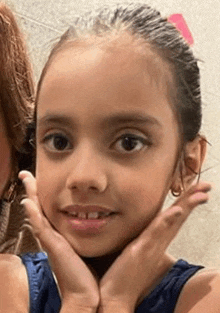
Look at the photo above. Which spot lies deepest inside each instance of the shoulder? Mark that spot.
(201, 293)
(14, 295)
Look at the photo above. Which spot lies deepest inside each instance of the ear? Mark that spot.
(190, 164)
(194, 155)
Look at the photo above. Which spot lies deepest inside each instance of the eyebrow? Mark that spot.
(130, 118)
(60, 119)
(107, 122)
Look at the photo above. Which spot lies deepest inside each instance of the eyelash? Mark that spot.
(51, 137)
(133, 139)
(128, 139)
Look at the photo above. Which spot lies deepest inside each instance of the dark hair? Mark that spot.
(145, 23)
(16, 87)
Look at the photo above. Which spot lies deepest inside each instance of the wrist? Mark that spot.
(71, 308)
(113, 310)
(75, 307)
(79, 304)
(114, 307)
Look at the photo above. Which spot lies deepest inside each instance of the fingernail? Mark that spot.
(178, 211)
(22, 202)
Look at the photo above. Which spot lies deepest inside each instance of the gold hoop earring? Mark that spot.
(177, 193)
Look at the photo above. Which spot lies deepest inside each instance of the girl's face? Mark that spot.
(5, 157)
(107, 145)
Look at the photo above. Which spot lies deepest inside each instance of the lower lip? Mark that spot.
(92, 225)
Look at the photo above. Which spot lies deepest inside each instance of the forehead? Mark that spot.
(98, 73)
(116, 53)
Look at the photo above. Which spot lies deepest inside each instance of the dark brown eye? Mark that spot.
(60, 142)
(130, 143)
(57, 142)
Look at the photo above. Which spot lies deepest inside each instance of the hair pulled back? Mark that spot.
(145, 23)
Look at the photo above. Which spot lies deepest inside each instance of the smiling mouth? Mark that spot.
(89, 222)
(88, 212)
(89, 215)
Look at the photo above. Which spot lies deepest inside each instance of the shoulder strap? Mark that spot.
(164, 297)
(44, 296)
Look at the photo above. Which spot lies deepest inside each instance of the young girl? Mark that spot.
(16, 110)
(117, 127)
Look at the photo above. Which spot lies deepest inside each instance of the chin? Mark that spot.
(92, 254)
(98, 253)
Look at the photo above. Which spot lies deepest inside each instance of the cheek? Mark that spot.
(44, 189)
(46, 182)
(143, 189)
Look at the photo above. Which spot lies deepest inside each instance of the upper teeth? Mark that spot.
(89, 215)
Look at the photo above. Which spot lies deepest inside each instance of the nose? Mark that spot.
(87, 173)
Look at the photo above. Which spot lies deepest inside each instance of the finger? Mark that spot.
(41, 227)
(197, 194)
(30, 185)
(173, 218)
(35, 216)
(23, 174)
(67, 273)
(199, 186)
(166, 225)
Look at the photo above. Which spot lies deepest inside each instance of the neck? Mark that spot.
(100, 265)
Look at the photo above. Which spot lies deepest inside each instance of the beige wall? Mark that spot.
(44, 20)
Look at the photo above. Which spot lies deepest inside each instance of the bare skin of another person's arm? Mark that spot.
(14, 295)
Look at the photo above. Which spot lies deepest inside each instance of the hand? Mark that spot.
(77, 285)
(141, 263)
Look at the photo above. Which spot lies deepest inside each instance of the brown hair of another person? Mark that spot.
(16, 84)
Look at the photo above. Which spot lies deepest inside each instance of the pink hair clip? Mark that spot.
(179, 22)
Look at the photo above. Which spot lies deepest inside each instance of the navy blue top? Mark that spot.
(44, 296)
